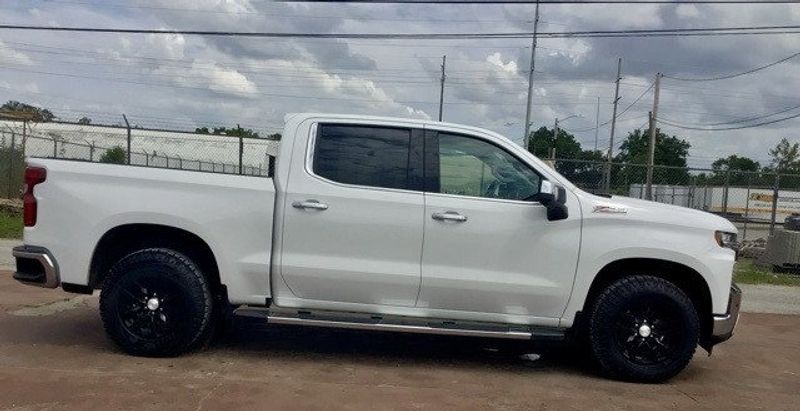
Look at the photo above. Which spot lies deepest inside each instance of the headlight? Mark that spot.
(727, 240)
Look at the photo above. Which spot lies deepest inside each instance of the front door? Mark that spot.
(353, 217)
(489, 247)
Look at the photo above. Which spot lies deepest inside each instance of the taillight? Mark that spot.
(33, 176)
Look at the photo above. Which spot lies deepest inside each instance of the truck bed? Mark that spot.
(80, 202)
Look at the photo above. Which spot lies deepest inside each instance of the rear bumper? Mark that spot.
(724, 324)
(36, 266)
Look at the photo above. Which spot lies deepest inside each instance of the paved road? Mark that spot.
(54, 355)
(6, 260)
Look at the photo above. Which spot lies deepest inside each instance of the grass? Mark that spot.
(745, 272)
(10, 225)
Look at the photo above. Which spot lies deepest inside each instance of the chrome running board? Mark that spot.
(360, 321)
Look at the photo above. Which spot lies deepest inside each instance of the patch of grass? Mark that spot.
(10, 225)
(745, 272)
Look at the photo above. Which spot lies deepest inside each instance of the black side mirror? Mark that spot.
(554, 198)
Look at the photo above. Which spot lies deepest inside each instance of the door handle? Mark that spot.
(449, 216)
(310, 204)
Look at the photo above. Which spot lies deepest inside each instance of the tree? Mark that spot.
(114, 155)
(670, 151)
(541, 144)
(735, 163)
(588, 172)
(15, 110)
(786, 157)
(85, 120)
(224, 131)
(733, 170)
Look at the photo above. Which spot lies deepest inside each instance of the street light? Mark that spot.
(555, 134)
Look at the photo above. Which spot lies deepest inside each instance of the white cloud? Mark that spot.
(9, 55)
(209, 76)
(497, 61)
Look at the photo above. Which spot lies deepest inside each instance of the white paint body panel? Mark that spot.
(378, 250)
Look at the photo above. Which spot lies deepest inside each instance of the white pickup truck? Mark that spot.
(384, 224)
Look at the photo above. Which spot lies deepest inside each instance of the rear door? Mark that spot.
(488, 247)
(353, 220)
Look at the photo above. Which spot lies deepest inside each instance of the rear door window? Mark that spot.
(363, 155)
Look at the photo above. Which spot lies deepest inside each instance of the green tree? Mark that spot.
(735, 163)
(114, 155)
(15, 110)
(670, 151)
(586, 171)
(734, 169)
(85, 120)
(786, 157)
(541, 144)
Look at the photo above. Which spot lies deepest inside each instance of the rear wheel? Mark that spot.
(156, 302)
(643, 329)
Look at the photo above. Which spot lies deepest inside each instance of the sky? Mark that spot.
(177, 81)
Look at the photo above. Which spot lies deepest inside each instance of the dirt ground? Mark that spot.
(54, 355)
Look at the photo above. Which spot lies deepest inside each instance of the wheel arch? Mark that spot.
(124, 239)
(686, 278)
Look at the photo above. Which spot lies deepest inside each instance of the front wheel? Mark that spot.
(643, 329)
(156, 302)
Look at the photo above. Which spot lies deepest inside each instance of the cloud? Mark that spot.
(211, 76)
(9, 55)
(257, 81)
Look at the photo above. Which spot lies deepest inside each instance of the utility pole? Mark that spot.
(527, 127)
(441, 87)
(613, 128)
(597, 124)
(555, 137)
(652, 154)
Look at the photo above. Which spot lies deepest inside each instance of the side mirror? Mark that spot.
(554, 198)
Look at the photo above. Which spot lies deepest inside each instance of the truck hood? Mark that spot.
(651, 211)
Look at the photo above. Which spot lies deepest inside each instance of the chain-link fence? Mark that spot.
(754, 201)
(129, 145)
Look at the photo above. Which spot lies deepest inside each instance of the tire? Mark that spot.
(643, 329)
(156, 303)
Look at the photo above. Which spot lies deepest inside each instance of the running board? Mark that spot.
(359, 321)
(419, 329)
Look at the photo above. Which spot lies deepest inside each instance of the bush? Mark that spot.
(114, 155)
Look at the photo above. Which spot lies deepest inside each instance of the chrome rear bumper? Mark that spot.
(724, 324)
(36, 266)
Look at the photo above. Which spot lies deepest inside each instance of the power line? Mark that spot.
(729, 76)
(717, 31)
(625, 110)
(764, 123)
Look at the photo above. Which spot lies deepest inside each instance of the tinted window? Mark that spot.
(473, 167)
(367, 156)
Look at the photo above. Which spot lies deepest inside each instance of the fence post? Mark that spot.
(11, 165)
(91, 151)
(747, 207)
(241, 152)
(725, 192)
(774, 203)
(270, 166)
(128, 127)
(55, 148)
(146, 159)
(180, 162)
